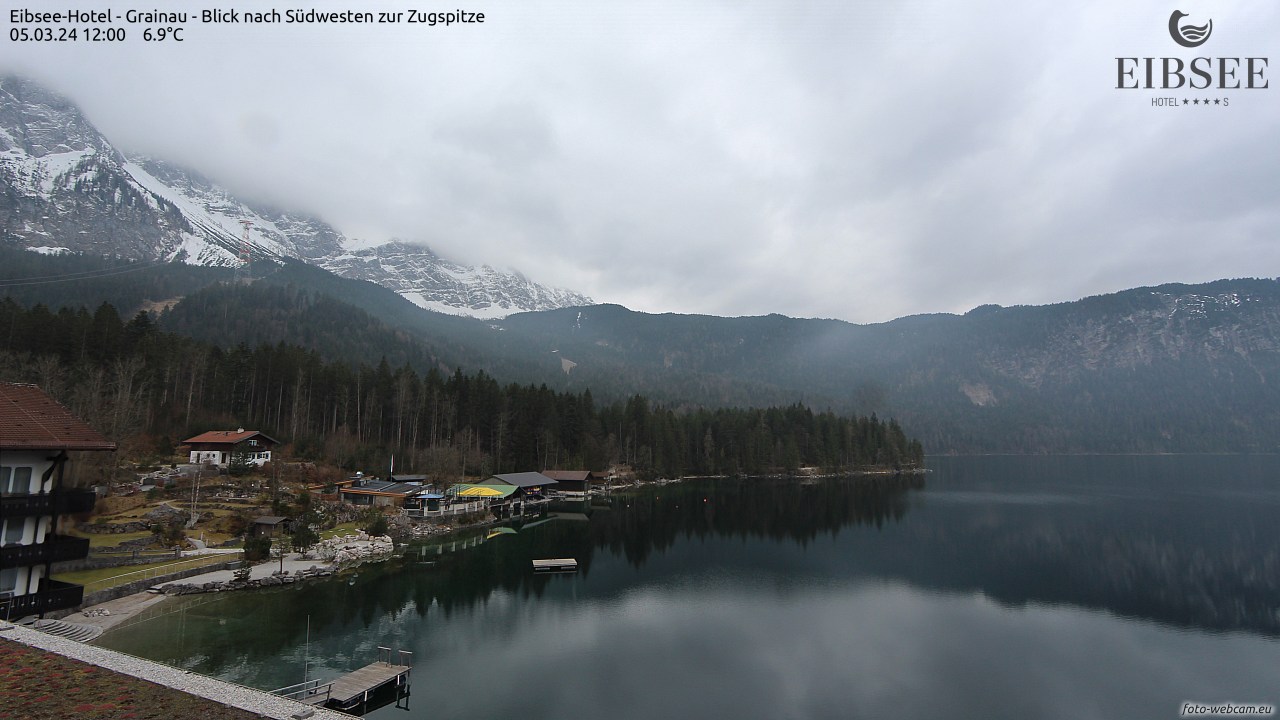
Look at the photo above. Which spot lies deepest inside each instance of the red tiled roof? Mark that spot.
(31, 420)
(224, 437)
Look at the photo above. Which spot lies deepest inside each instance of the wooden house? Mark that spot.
(573, 484)
(217, 447)
(271, 526)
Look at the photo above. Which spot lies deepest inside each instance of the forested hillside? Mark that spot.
(343, 319)
(71, 280)
(148, 389)
(1173, 368)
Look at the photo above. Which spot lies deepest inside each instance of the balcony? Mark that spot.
(71, 502)
(55, 548)
(64, 502)
(53, 595)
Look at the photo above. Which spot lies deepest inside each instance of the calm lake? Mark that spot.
(994, 587)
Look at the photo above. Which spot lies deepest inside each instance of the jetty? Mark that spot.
(554, 565)
(356, 688)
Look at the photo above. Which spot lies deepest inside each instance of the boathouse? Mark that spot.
(573, 484)
(527, 484)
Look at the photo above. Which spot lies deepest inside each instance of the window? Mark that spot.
(16, 481)
(21, 480)
(8, 581)
(13, 529)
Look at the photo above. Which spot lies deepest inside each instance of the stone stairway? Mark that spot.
(69, 630)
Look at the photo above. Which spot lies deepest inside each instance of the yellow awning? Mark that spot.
(479, 491)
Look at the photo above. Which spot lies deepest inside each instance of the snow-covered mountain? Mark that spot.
(434, 283)
(65, 188)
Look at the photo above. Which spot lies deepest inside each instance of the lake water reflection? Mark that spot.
(1078, 587)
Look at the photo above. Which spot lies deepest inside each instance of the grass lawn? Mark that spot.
(212, 525)
(348, 528)
(101, 540)
(40, 685)
(109, 540)
(129, 515)
(211, 538)
(103, 578)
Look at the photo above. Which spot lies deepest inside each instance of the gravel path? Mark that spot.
(117, 610)
(238, 696)
(293, 562)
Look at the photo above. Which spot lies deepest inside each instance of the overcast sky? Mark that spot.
(855, 160)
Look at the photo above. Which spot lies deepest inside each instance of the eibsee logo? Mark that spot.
(1219, 73)
(1188, 36)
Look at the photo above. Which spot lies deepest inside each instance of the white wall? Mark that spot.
(37, 461)
(34, 529)
(222, 459)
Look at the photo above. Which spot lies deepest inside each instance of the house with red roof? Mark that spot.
(36, 435)
(217, 447)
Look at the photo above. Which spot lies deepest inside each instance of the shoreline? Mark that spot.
(298, 569)
(349, 551)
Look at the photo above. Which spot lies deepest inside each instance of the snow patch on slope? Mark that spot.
(79, 193)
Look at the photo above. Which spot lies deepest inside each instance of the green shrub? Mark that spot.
(257, 548)
(374, 522)
(303, 537)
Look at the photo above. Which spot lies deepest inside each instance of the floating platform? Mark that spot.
(556, 565)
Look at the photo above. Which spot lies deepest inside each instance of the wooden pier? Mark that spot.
(356, 688)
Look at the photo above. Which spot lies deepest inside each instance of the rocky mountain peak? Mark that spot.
(40, 123)
(64, 188)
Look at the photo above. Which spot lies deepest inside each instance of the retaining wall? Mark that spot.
(98, 597)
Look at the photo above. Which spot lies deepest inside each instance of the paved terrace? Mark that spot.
(293, 563)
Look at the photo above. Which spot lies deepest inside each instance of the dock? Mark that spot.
(357, 687)
(555, 565)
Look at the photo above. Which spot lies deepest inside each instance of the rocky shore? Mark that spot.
(335, 555)
(274, 580)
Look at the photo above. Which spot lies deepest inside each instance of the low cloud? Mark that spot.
(853, 160)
